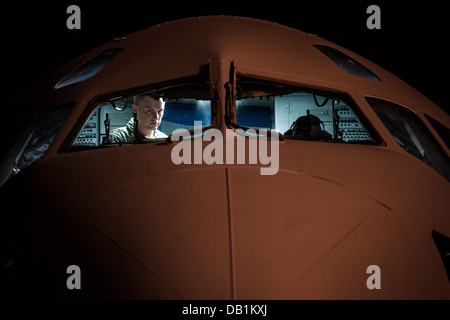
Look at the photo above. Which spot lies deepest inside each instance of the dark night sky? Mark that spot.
(412, 42)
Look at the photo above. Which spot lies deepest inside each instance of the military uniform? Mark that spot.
(126, 134)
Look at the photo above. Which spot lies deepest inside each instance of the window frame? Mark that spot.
(325, 91)
(424, 134)
(94, 103)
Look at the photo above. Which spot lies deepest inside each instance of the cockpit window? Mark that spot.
(346, 63)
(147, 115)
(442, 130)
(89, 68)
(412, 135)
(32, 140)
(300, 113)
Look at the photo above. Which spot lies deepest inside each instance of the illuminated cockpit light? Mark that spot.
(89, 68)
(346, 63)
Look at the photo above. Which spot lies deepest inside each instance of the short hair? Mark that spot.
(138, 98)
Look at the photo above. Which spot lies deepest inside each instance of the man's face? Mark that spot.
(149, 113)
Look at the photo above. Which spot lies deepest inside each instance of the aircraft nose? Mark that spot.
(314, 241)
(223, 233)
(172, 233)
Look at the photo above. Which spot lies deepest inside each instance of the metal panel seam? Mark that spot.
(230, 234)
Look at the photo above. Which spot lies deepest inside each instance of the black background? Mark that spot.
(412, 42)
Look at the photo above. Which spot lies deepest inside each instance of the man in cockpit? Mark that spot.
(148, 113)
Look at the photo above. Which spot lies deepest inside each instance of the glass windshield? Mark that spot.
(442, 130)
(32, 140)
(346, 63)
(412, 134)
(89, 68)
(148, 115)
(300, 113)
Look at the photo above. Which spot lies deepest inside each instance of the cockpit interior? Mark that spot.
(260, 104)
